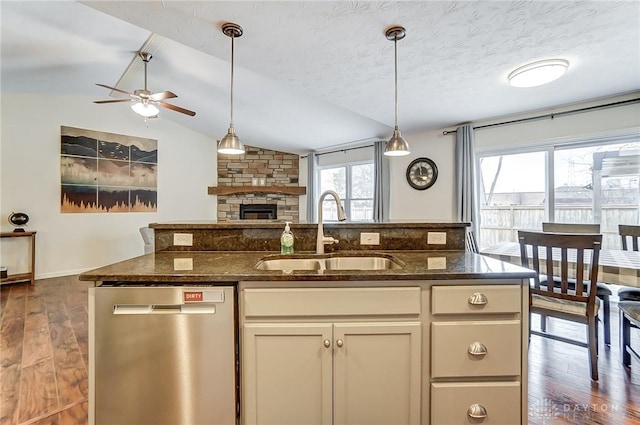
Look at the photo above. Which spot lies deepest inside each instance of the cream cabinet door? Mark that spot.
(377, 373)
(287, 373)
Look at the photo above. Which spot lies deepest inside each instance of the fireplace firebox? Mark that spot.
(258, 212)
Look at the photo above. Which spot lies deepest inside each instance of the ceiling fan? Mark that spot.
(145, 101)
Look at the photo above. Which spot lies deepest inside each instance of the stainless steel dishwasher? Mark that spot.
(162, 355)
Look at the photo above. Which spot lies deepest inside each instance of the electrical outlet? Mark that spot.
(369, 238)
(437, 263)
(183, 264)
(183, 239)
(437, 238)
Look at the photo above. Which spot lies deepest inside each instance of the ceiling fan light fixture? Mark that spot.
(230, 143)
(397, 145)
(145, 109)
(538, 73)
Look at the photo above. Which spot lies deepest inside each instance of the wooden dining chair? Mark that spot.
(570, 227)
(470, 242)
(629, 318)
(630, 236)
(603, 292)
(577, 305)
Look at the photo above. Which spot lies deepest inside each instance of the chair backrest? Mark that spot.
(470, 242)
(632, 232)
(570, 227)
(581, 249)
(148, 238)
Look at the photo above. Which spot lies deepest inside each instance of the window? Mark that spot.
(594, 182)
(354, 184)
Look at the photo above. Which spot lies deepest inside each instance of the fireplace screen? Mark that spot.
(258, 212)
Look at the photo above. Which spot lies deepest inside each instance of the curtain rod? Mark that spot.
(552, 116)
(339, 150)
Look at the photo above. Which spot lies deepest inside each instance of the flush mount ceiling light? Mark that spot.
(538, 73)
(231, 144)
(396, 146)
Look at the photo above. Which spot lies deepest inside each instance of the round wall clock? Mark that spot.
(422, 173)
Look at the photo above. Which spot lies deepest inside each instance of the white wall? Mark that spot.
(30, 180)
(569, 128)
(436, 203)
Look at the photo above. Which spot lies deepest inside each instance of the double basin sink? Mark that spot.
(369, 261)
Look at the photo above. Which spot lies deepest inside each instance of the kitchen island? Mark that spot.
(439, 339)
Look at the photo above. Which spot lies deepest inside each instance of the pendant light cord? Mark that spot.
(232, 54)
(395, 48)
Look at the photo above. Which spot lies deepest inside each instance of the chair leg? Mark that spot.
(543, 323)
(625, 339)
(605, 320)
(593, 347)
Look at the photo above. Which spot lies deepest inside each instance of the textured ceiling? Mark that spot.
(312, 74)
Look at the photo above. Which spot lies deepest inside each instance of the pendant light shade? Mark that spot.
(230, 143)
(396, 146)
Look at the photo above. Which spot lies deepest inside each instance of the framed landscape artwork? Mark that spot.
(105, 172)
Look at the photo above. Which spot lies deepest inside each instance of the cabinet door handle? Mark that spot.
(477, 411)
(339, 343)
(478, 298)
(327, 343)
(477, 349)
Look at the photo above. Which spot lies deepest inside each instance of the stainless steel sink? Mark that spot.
(361, 263)
(290, 264)
(332, 262)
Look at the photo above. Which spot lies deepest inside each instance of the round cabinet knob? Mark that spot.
(478, 298)
(477, 411)
(477, 349)
(339, 343)
(327, 343)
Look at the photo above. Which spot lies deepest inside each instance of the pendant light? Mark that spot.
(396, 146)
(231, 144)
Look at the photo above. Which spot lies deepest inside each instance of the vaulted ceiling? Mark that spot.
(313, 74)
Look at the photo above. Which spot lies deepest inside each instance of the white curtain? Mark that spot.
(312, 163)
(465, 176)
(381, 185)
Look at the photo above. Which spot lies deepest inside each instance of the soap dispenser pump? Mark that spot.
(286, 240)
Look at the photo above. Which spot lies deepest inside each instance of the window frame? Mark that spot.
(549, 150)
(346, 201)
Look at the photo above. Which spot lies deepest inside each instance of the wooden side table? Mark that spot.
(23, 276)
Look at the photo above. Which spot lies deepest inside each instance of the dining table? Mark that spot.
(615, 266)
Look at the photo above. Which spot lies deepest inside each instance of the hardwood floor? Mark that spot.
(44, 345)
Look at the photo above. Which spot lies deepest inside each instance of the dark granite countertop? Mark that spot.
(234, 266)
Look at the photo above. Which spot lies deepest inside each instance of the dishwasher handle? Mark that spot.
(195, 308)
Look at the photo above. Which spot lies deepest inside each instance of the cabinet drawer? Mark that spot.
(451, 343)
(451, 403)
(476, 299)
(285, 302)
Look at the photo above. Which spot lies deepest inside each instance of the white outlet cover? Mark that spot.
(437, 238)
(183, 239)
(369, 238)
(183, 264)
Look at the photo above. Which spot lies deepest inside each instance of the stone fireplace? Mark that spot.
(259, 177)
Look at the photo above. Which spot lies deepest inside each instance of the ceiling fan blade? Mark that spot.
(115, 89)
(176, 108)
(163, 95)
(113, 100)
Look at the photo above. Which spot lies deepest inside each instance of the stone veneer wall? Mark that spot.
(277, 168)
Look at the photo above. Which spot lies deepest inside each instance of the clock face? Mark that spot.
(422, 173)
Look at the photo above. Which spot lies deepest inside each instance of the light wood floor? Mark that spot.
(43, 359)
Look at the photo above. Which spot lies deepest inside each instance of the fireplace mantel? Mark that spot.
(239, 190)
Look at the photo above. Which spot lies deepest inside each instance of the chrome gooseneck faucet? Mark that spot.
(322, 239)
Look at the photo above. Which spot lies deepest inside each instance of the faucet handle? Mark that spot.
(329, 239)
